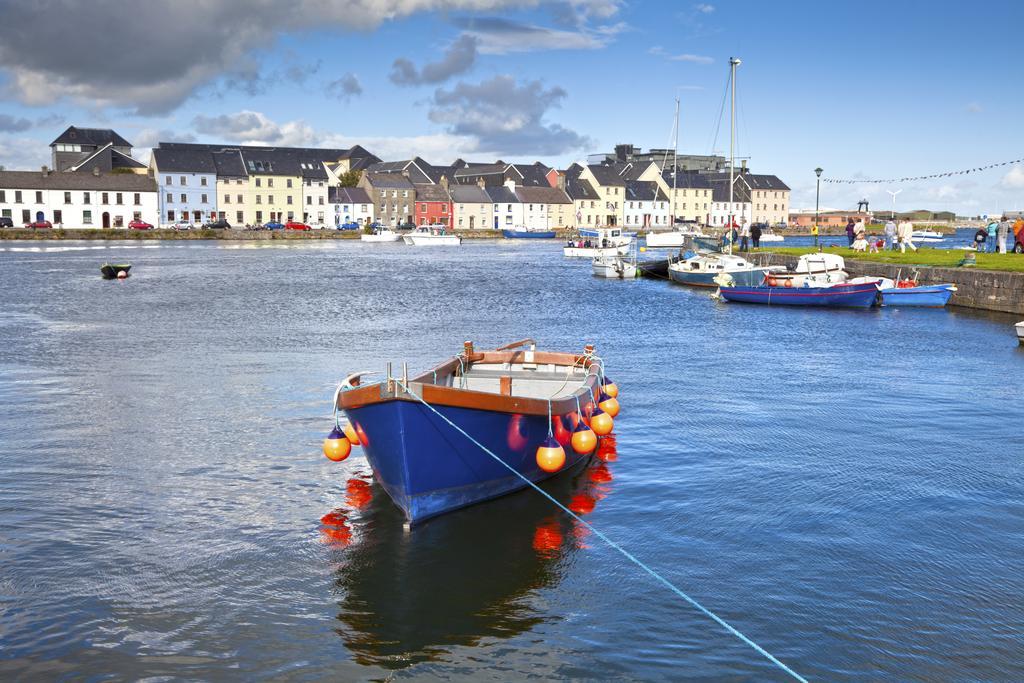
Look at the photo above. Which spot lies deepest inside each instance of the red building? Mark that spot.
(433, 204)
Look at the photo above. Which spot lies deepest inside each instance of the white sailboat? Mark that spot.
(432, 235)
(616, 266)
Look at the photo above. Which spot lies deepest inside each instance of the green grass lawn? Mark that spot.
(924, 256)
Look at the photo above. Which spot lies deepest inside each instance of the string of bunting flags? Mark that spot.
(854, 181)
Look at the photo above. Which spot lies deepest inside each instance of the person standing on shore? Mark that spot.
(992, 228)
(1001, 233)
(890, 235)
(849, 232)
(859, 230)
(755, 235)
(905, 235)
(745, 236)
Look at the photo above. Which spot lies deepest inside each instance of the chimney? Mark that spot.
(96, 170)
(511, 184)
(444, 182)
(743, 165)
(480, 182)
(561, 181)
(45, 171)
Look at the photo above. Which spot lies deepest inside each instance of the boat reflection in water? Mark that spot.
(409, 597)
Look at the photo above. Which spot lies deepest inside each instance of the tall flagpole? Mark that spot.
(733, 63)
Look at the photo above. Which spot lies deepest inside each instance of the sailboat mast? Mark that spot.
(733, 63)
(675, 164)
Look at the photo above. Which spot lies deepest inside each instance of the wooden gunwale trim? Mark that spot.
(479, 400)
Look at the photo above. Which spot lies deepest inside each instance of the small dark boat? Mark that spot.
(860, 295)
(526, 234)
(502, 398)
(110, 270)
(653, 268)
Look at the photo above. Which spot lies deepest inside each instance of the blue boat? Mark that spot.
(860, 295)
(528, 234)
(933, 296)
(499, 397)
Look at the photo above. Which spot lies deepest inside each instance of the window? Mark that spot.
(238, 181)
(289, 199)
(319, 216)
(238, 216)
(170, 216)
(259, 216)
(309, 200)
(227, 199)
(184, 199)
(170, 198)
(239, 199)
(321, 202)
(183, 180)
(67, 197)
(291, 215)
(167, 180)
(39, 197)
(405, 193)
(252, 167)
(26, 216)
(202, 199)
(444, 208)
(531, 207)
(270, 199)
(289, 182)
(394, 193)
(58, 218)
(106, 198)
(258, 198)
(258, 180)
(202, 181)
(270, 182)
(3, 197)
(138, 199)
(87, 217)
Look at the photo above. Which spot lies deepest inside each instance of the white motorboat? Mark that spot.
(615, 266)
(432, 235)
(814, 270)
(672, 239)
(1020, 332)
(927, 236)
(768, 235)
(593, 242)
(381, 235)
(701, 270)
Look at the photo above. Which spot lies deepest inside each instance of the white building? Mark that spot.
(187, 181)
(507, 209)
(315, 195)
(646, 206)
(471, 207)
(349, 205)
(78, 200)
(741, 211)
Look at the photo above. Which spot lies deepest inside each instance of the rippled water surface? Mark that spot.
(842, 486)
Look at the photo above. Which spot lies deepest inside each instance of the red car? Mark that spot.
(39, 224)
(295, 225)
(140, 225)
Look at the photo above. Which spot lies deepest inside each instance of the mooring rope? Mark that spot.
(625, 553)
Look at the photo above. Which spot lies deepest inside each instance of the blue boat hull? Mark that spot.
(744, 278)
(428, 468)
(525, 234)
(841, 296)
(935, 296)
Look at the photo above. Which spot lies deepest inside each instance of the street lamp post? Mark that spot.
(817, 203)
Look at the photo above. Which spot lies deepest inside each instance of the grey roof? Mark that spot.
(469, 194)
(542, 195)
(306, 162)
(35, 180)
(688, 179)
(577, 188)
(390, 181)
(187, 160)
(229, 164)
(607, 176)
(90, 136)
(501, 195)
(348, 195)
(432, 193)
(474, 169)
(420, 172)
(764, 182)
(534, 174)
(644, 190)
(106, 159)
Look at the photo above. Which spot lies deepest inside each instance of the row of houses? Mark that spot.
(248, 185)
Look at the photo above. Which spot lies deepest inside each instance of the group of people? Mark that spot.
(992, 237)
(894, 236)
(745, 234)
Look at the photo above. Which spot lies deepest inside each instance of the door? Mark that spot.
(495, 222)
(106, 219)
(40, 216)
(471, 221)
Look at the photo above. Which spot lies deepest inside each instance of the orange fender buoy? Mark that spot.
(601, 422)
(550, 455)
(337, 446)
(350, 433)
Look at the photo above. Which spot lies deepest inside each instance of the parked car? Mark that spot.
(351, 225)
(217, 225)
(39, 224)
(181, 225)
(273, 225)
(140, 225)
(6, 222)
(295, 225)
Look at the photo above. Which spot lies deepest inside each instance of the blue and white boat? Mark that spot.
(527, 233)
(502, 398)
(844, 295)
(702, 269)
(908, 293)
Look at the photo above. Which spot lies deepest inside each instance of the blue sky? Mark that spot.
(865, 90)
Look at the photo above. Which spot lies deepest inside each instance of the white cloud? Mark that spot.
(254, 128)
(1014, 179)
(497, 35)
(704, 8)
(346, 87)
(686, 57)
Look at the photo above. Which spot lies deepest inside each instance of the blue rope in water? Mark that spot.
(629, 556)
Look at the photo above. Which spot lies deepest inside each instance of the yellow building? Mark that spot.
(610, 188)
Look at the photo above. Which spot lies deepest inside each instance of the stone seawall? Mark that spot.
(121, 234)
(983, 289)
